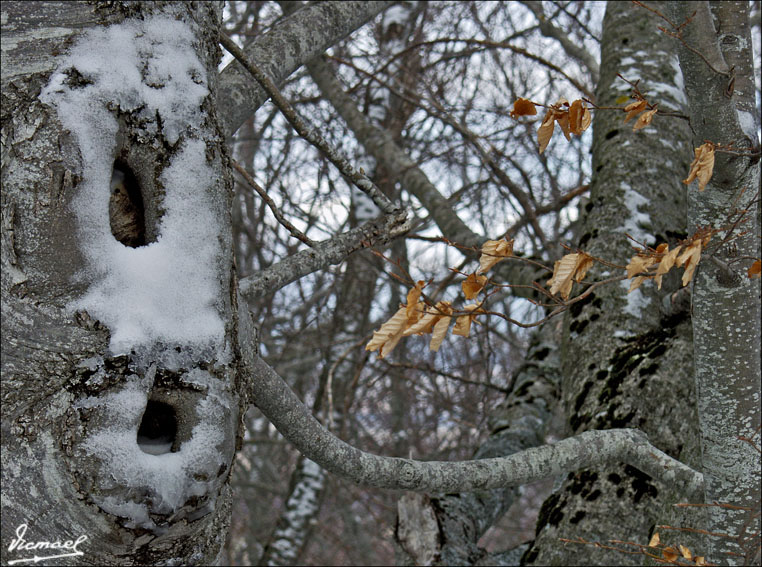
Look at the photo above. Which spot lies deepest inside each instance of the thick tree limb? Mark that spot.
(281, 406)
(286, 47)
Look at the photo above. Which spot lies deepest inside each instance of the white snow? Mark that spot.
(636, 301)
(748, 125)
(169, 479)
(168, 290)
(633, 224)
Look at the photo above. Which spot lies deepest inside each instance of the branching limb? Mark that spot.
(592, 448)
(549, 30)
(309, 133)
(318, 26)
(332, 251)
(295, 232)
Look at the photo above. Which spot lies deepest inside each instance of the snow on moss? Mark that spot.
(167, 290)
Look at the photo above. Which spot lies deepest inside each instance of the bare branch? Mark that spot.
(592, 448)
(308, 133)
(318, 27)
(325, 253)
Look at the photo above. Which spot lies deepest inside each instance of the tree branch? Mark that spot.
(574, 51)
(308, 133)
(286, 47)
(592, 448)
(332, 251)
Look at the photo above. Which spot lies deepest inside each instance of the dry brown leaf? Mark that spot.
(666, 264)
(463, 322)
(430, 318)
(699, 560)
(639, 263)
(702, 165)
(755, 269)
(654, 540)
(523, 107)
(563, 122)
(472, 285)
(568, 269)
(492, 252)
(440, 327)
(644, 120)
(690, 259)
(583, 265)
(545, 132)
(670, 553)
(685, 552)
(387, 337)
(636, 282)
(579, 117)
(633, 109)
(413, 309)
(425, 324)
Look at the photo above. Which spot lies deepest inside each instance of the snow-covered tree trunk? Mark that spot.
(726, 303)
(120, 348)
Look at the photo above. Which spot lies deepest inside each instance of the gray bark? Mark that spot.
(60, 381)
(726, 313)
(625, 362)
(279, 52)
(281, 406)
(519, 423)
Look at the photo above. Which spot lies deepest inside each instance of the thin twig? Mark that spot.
(308, 133)
(295, 232)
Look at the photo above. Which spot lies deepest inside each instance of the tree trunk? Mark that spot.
(726, 312)
(119, 328)
(626, 360)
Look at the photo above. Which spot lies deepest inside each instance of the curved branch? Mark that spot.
(591, 448)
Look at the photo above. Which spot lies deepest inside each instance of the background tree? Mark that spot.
(423, 97)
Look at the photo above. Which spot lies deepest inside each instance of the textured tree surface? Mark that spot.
(188, 371)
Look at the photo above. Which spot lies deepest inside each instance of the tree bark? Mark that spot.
(625, 361)
(83, 404)
(726, 303)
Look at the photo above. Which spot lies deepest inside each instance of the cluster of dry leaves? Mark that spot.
(575, 118)
(420, 317)
(671, 554)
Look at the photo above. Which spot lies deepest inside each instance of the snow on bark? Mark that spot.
(166, 290)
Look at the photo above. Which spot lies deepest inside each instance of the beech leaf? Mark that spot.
(633, 109)
(545, 132)
(472, 285)
(701, 166)
(387, 337)
(523, 107)
(690, 259)
(463, 322)
(492, 252)
(755, 269)
(644, 120)
(568, 269)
